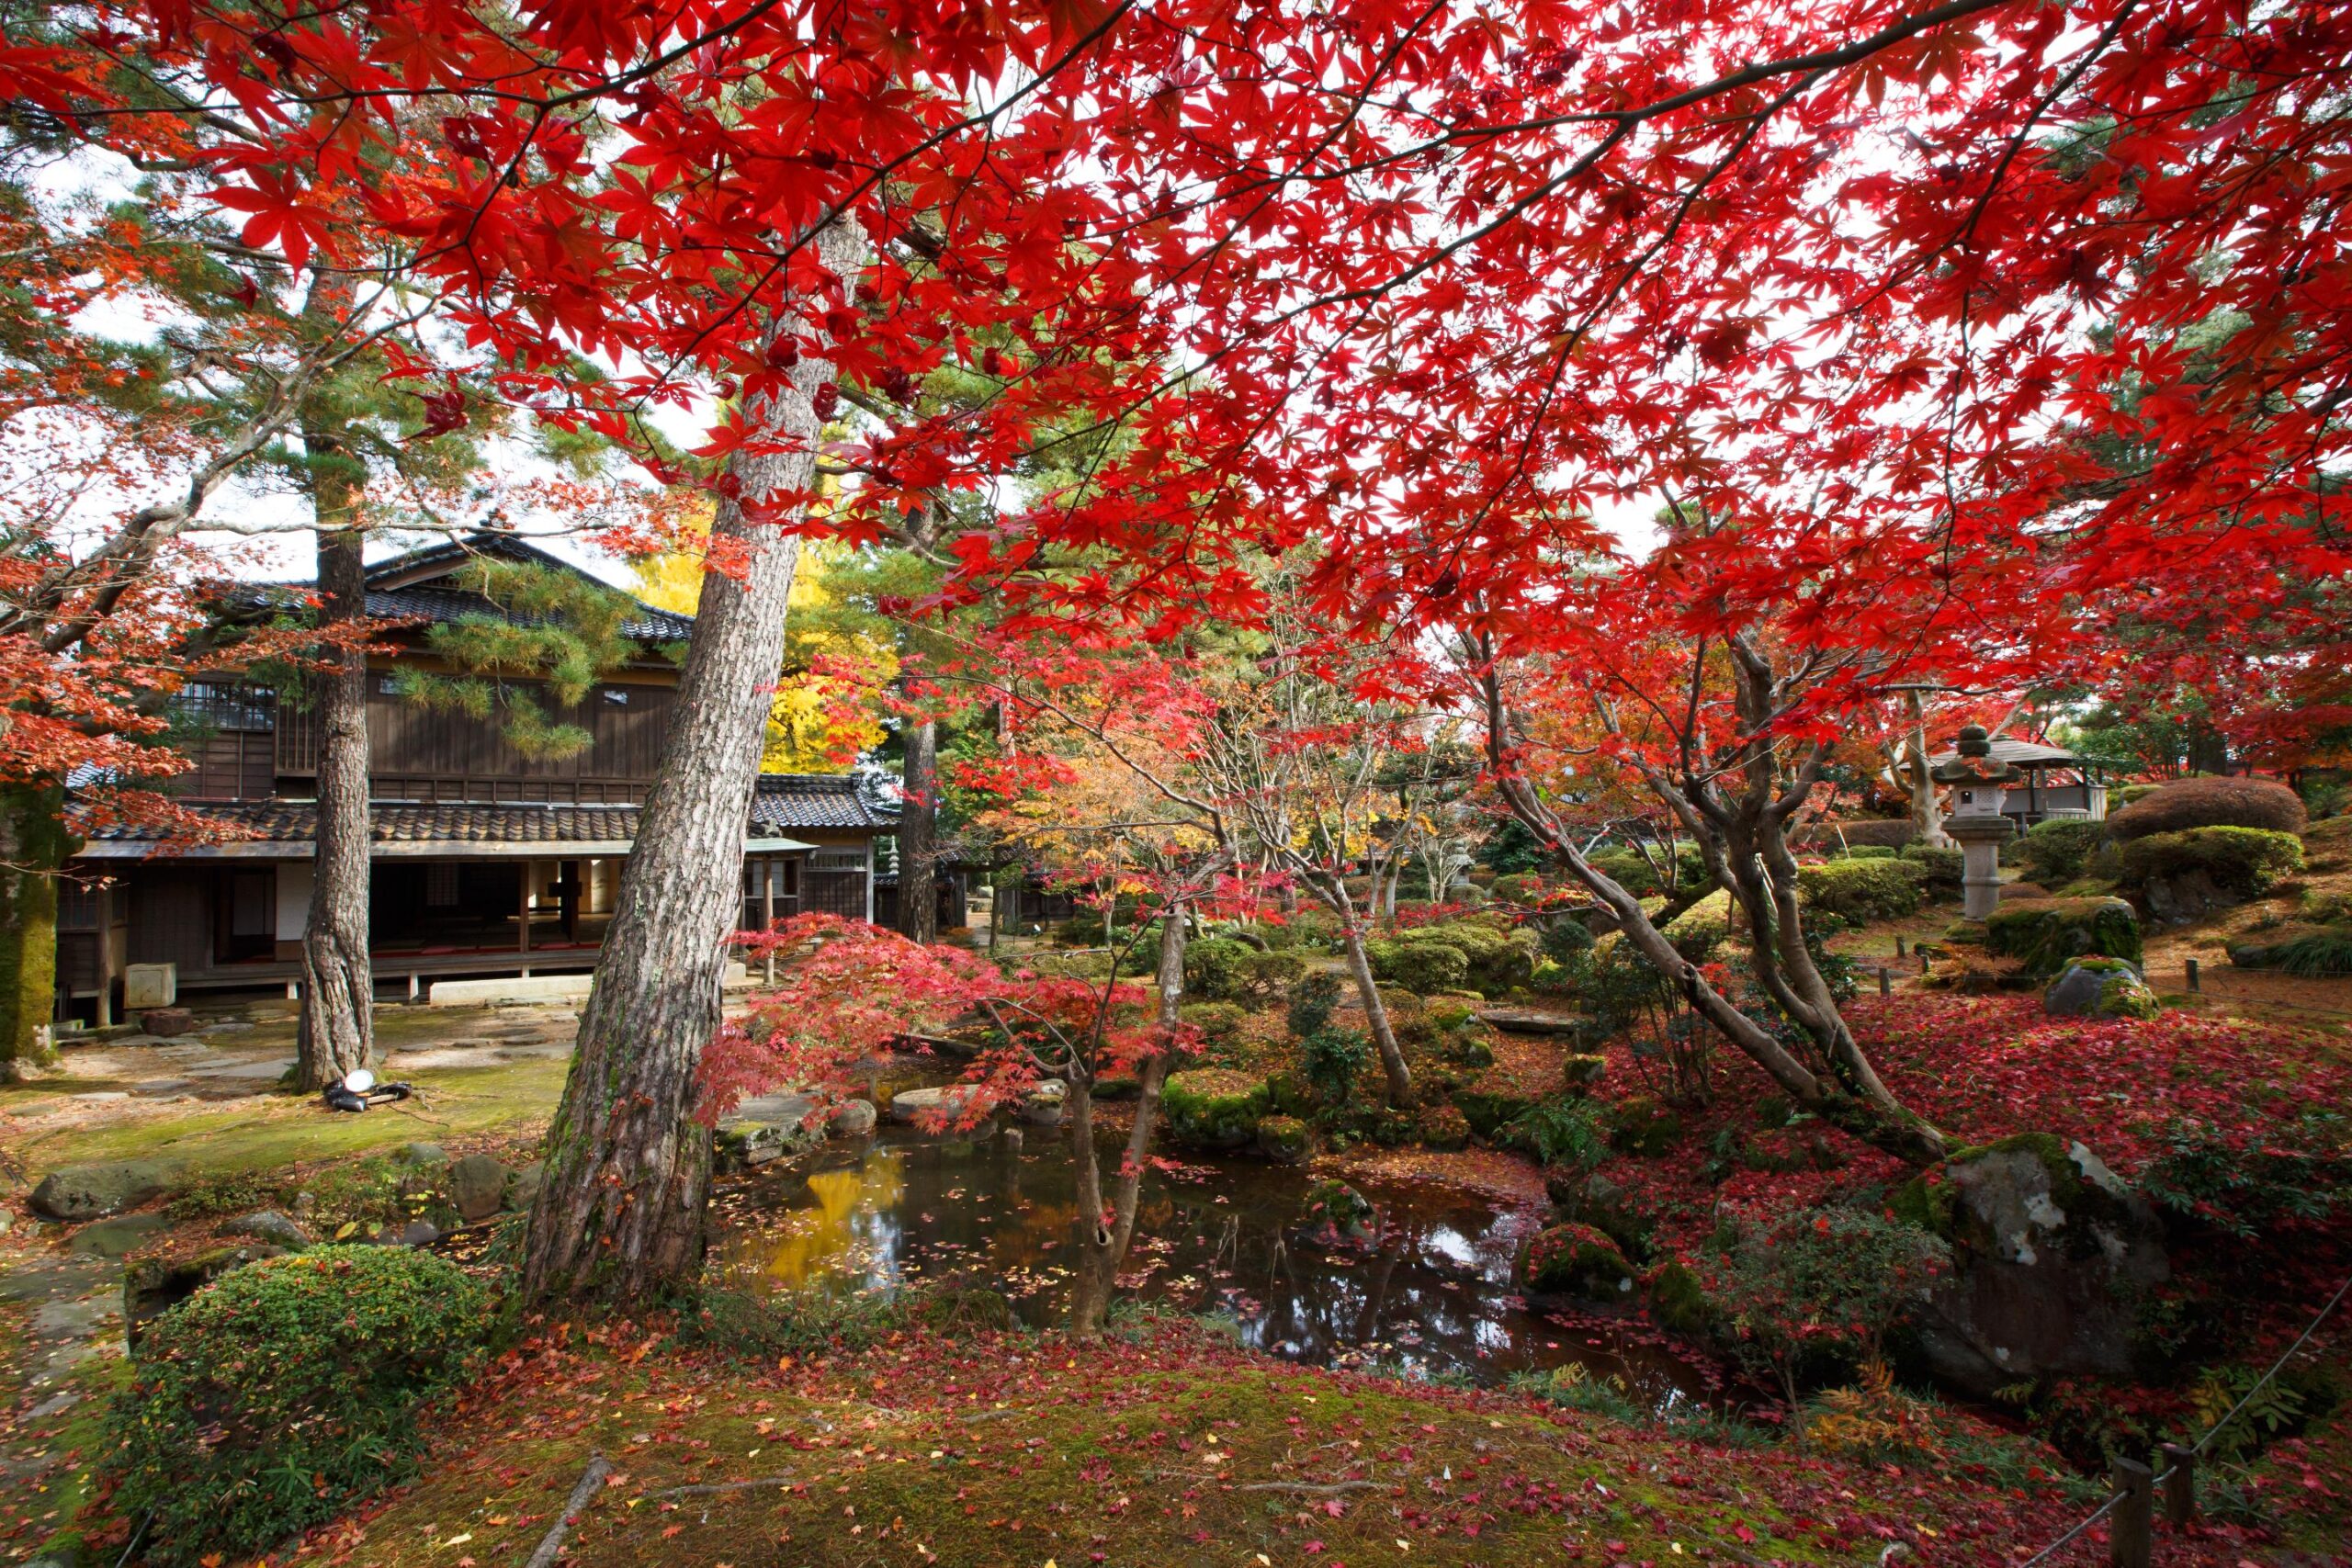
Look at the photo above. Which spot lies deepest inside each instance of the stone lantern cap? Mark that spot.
(1973, 764)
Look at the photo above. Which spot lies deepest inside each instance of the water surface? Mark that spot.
(1434, 1298)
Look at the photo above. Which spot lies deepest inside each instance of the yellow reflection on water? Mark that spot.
(821, 1239)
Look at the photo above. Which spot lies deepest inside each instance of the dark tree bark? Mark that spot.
(619, 1217)
(918, 834)
(33, 848)
(337, 1032)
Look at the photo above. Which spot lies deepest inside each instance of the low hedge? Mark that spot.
(1890, 832)
(2242, 861)
(1224, 970)
(2210, 802)
(1483, 957)
(1940, 868)
(1861, 890)
(2056, 852)
(275, 1398)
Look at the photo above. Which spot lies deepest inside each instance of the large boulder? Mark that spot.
(2047, 934)
(116, 1237)
(768, 1127)
(954, 1101)
(78, 1193)
(1575, 1260)
(854, 1119)
(2100, 988)
(269, 1226)
(2049, 1253)
(1286, 1140)
(478, 1186)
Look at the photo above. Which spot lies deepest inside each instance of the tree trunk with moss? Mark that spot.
(34, 845)
(619, 1217)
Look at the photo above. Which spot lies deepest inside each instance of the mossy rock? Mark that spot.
(2080, 1189)
(1286, 1140)
(1678, 1303)
(1642, 1126)
(1590, 1198)
(1489, 1113)
(1214, 1109)
(1469, 1051)
(1118, 1086)
(1450, 1013)
(1338, 1210)
(1443, 1127)
(1575, 1260)
(1581, 1072)
(2102, 989)
(2046, 935)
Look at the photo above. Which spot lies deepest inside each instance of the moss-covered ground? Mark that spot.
(1161, 1447)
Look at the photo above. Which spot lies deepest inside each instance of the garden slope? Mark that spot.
(1159, 1449)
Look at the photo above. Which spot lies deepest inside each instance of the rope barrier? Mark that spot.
(2115, 1499)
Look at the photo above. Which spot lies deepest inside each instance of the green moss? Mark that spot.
(1642, 1126)
(1284, 1138)
(1678, 1302)
(1214, 1107)
(1575, 1260)
(2047, 934)
(1862, 890)
(1490, 1112)
(269, 1135)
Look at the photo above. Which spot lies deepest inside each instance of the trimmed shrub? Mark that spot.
(1891, 832)
(1333, 1059)
(1219, 1023)
(1862, 890)
(2242, 861)
(1866, 852)
(1419, 966)
(1221, 969)
(1941, 868)
(275, 1398)
(1642, 1126)
(2210, 802)
(1705, 926)
(1816, 1291)
(2055, 853)
(1495, 959)
(1524, 887)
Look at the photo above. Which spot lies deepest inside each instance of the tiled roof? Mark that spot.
(2022, 753)
(785, 803)
(788, 801)
(394, 822)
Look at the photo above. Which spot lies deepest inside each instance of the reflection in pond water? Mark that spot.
(1434, 1298)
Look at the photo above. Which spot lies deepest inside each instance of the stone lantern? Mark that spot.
(1978, 783)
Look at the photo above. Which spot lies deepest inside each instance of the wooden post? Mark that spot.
(523, 908)
(1923, 964)
(2193, 984)
(2180, 1485)
(1886, 981)
(1898, 944)
(767, 870)
(2132, 1528)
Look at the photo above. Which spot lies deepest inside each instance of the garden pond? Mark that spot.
(1226, 1237)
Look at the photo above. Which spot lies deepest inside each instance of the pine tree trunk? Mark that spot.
(33, 847)
(919, 835)
(337, 1032)
(619, 1216)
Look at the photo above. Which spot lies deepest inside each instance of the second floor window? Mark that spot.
(220, 705)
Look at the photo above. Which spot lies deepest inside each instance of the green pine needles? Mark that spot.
(553, 637)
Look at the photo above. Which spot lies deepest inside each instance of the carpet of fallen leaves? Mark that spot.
(1984, 1069)
(1162, 1445)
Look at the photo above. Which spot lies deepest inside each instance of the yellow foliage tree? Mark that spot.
(827, 706)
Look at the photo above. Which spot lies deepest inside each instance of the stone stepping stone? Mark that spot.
(1523, 1021)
